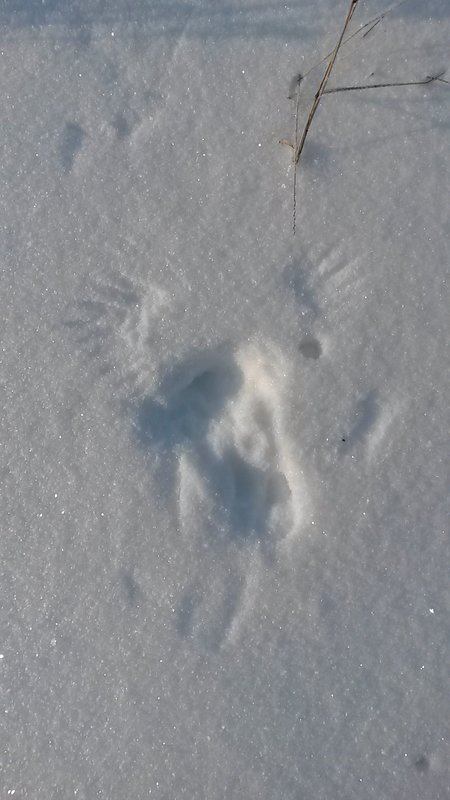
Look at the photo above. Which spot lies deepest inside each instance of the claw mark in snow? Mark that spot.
(71, 143)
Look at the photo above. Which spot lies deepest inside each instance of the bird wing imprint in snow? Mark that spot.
(237, 485)
(220, 455)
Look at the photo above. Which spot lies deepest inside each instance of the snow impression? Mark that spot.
(224, 484)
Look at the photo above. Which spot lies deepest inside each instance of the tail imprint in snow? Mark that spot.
(221, 413)
(251, 462)
(219, 418)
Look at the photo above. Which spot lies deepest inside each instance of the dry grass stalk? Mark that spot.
(365, 30)
(428, 79)
(299, 144)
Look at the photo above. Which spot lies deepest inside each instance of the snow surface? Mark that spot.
(225, 489)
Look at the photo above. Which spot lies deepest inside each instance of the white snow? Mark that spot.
(225, 478)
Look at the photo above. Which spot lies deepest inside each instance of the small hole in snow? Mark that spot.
(310, 348)
(422, 764)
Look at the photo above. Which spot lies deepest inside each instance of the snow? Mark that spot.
(225, 497)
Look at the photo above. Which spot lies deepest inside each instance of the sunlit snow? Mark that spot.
(225, 478)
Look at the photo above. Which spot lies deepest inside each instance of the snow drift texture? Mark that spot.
(225, 489)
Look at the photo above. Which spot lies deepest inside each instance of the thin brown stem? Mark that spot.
(370, 25)
(428, 79)
(299, 145)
